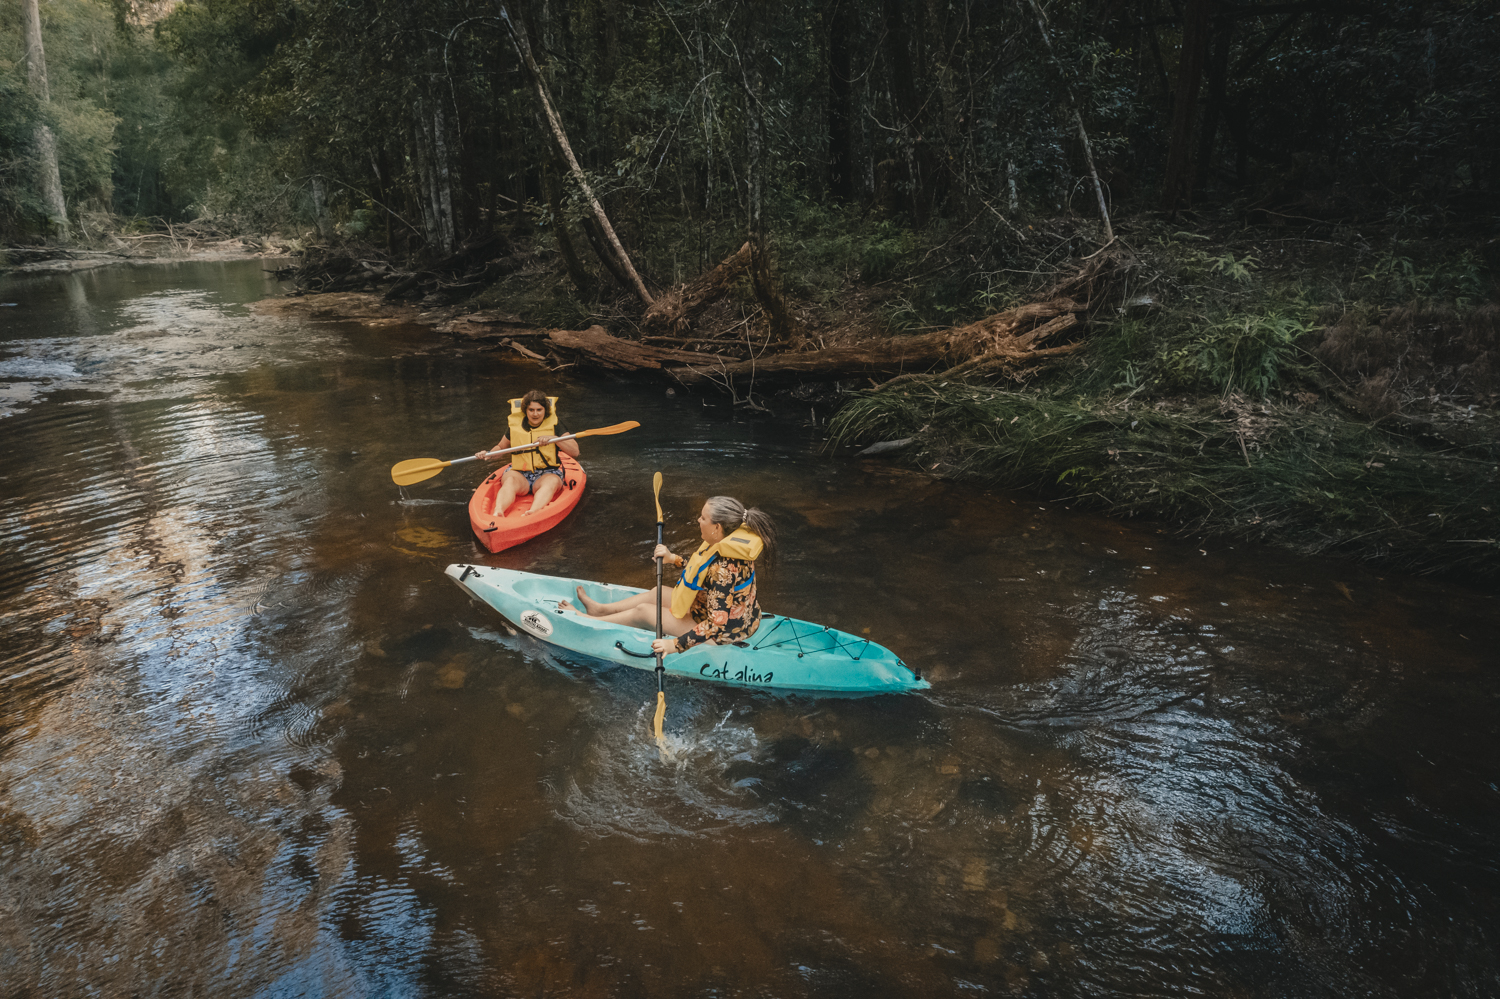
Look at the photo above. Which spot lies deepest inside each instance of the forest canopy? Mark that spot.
(418, 126)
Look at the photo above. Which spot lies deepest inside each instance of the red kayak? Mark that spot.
(512, 529)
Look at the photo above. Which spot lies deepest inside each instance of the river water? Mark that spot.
(253, 743)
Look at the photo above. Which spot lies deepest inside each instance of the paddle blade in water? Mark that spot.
(413, 470)
(661, 712)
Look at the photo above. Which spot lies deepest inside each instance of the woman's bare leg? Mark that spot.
(594, 608)
(643, 616)
(547, 487)
(512, 484)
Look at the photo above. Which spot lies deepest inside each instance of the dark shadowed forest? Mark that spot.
(1227, 264)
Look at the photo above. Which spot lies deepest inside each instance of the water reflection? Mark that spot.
(254, 743)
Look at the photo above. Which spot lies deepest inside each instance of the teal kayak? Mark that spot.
(784, 652)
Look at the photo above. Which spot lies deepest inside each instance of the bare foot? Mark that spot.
(591, 605)
(564, 605)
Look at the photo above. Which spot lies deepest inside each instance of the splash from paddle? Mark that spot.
(414, 470)
(661, 669)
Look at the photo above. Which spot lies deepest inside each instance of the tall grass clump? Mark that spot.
(1244, 353)
(1314, 482)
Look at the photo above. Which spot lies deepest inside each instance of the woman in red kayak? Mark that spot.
(715, 600)
(533, 420)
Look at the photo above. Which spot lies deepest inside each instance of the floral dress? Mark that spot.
(725, 610)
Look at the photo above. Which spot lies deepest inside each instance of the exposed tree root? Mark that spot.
(675, 310)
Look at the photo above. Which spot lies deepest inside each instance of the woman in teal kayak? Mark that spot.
(715, 600)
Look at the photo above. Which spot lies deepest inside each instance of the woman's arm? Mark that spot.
(504, 443)
(718, 589)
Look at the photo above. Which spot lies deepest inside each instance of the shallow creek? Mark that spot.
(253, 743)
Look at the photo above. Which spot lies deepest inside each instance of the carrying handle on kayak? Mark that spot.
(638, 655)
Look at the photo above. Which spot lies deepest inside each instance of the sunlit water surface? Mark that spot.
(253, 743)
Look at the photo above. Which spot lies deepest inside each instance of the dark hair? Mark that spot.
(536, 395)
(729, 513)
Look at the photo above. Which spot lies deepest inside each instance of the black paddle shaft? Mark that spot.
(660, 668)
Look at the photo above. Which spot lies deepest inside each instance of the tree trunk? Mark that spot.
(784, 325)
(903, 45)
(1177, 191)
(576, 271)
(426, 193)
(1008, 338)
(319, 215)
(50, 181)
(523, 49)
(754, 140)
(601, 250)
(1218, 69)
(443, 179)
(1083, 136)
(840, 102)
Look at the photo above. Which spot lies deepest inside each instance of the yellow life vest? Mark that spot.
(522, 433)
(741, 543)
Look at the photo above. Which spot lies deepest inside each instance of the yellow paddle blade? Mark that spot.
(656, 488)
(618, 428)
(413, 470)
(661, 712)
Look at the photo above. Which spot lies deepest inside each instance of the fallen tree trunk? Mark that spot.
(605, 351)
(1007, 337)
(676, 309)
(886, 359)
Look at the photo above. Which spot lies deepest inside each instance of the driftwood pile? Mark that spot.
(1001, 344)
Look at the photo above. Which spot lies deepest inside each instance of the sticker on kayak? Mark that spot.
(536, 622)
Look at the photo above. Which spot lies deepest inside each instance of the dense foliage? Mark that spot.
(416, 124)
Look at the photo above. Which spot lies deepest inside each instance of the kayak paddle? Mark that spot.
(414, 470)
(661, 670)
